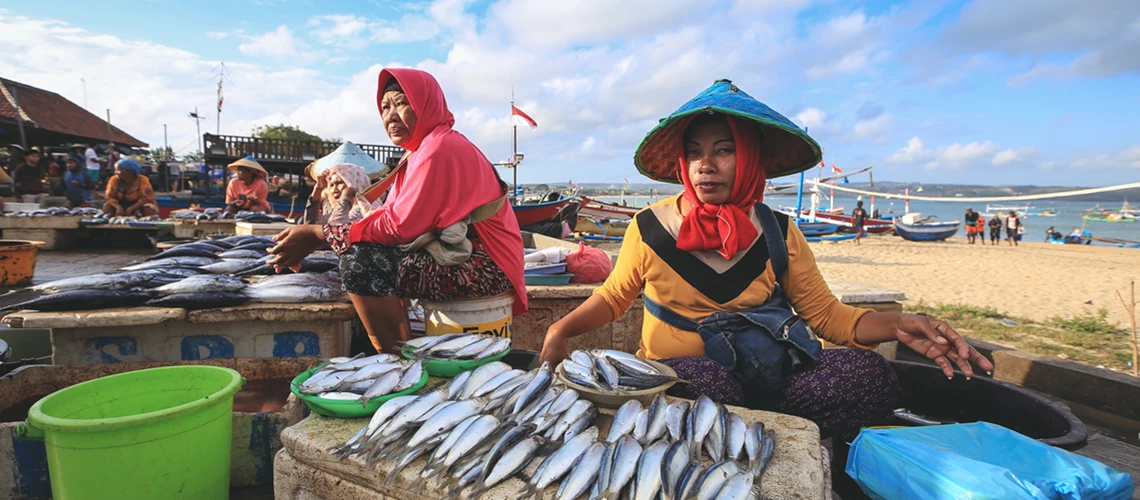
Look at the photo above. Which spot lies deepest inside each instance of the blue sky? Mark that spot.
(984, 91)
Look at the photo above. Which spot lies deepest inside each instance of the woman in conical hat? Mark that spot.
(445, 180)
(249, 191)
(706, 252)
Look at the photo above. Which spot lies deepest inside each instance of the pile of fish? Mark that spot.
(363, 379)
(615, 372)
(101, 219)
(222, 214)
(491, 423)
(457, 346)
(58, 212)
(204, 274)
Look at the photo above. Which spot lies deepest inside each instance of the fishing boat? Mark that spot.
(601, 227)
(876, 226)
(836, 237)
(914, 227)
(534, 213)
(815, 229)
(1005, 209)
(601, 210)
(1107, 216)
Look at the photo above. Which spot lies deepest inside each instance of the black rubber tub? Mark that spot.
(522, 359)
(928, 393)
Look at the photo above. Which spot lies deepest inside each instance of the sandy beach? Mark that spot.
(1033, 280)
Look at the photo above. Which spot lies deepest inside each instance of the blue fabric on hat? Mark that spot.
(129, 164)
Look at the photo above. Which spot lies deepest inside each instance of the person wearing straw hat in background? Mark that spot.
(129, 193)
(711, 253)
(249, 191)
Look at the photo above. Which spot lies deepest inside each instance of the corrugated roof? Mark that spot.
(50, 111)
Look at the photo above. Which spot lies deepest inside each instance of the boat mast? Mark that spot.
(514, 150)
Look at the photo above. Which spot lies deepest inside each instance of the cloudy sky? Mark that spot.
(981, 91)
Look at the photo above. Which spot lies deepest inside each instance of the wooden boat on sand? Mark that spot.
(913, 227)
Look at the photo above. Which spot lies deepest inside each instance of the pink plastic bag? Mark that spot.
(589, 265)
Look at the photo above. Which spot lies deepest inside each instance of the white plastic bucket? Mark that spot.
(490, 316)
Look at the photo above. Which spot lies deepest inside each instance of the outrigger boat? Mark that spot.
(601, 210)
(914, 227)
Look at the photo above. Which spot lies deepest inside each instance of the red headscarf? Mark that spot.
(725, 228)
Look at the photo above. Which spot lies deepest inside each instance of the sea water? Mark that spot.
(1069, 213)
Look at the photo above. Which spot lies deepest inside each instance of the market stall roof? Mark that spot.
(46, 111)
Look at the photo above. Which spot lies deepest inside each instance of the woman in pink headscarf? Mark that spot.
(444, 180)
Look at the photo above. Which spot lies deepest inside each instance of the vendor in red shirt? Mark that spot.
(248, 192)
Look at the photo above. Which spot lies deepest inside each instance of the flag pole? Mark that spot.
(514, 150)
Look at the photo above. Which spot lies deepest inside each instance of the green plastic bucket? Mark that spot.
(155, 433)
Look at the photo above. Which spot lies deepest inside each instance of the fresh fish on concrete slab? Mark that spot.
(753, 441)
(672, 466)
(229, 265)
(121, 281)
(563, 402)
(186, 251)
(444, 421)
(172, 262)
(627, 453)
(431, 413)
(655, 419)
(558, 463)
(738, 487)
(292, 294)
(584, 474)
(687, 484)
(199, 300)
(734, 446)
(496, 382)
(82, 300)
(641, 426)
(713, 479)
(311, 265)
(703, 416)
(714, 441)
(241, 254)
(647, 482)
(256, 270)
(457, 384)
(579, 408)
(767, 450)
(675, 415)
(481, 431)
(581, 423)
(624, 420)
(506, 441)
(204, 283)
(534, 388)
(604, 472)
(481, 375)
(412, 411)
(511, 462)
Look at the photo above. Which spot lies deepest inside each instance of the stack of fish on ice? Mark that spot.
(199, 275)
(489, 424)
(363, 379)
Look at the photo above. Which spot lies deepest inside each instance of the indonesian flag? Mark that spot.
(523, 118)
(836, 169)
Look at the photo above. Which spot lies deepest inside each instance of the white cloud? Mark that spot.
(355, 32)
(1010, 156)
(1130, 157)
(277, 43)
(914, 152)
(877, 129)
(558, 24)
(844, 45)
(810, 118)
(217, 35)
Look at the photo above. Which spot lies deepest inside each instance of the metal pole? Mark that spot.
(110, 138)
(84, 80)
(164, 172)
(799, 199)
(514, 151)
(19, 117)
(872, 176)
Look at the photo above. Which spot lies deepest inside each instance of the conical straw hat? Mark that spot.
(349, 153)
(248, 162)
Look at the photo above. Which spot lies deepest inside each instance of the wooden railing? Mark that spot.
(231, 147)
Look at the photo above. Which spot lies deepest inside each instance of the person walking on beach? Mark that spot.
(995, 230)
(1012, 225)
(973, 226)
(858, 219)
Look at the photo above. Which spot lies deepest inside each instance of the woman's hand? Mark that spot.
(294, 244)
(554, 348)
(937, 340)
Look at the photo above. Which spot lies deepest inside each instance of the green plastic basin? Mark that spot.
(446, 368)
(343, 408)
(155, 433)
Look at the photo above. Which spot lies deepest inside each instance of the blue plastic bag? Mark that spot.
(978, 460)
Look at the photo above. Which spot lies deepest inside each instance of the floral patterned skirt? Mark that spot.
(376, 270)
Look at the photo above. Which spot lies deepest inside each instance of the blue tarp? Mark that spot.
(975, 461)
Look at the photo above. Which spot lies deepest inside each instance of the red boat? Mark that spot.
(601, 210)
(534, 213)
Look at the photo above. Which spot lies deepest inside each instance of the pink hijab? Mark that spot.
(446, 178)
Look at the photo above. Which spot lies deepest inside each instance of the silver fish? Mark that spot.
(505, 442)
(358, 363)
(457, 384)
(588, 382)
(561, 403)
(767, 449)
(295, 279)
(412, 411)
(480, 431)
(497, 382)
(121, 281)
(570, 367)
(382, 387)
(655, 419)
(473, 349)
(714, 441)
(687, 484)
(512, 462)
(448, 442)
(445, 349)
(372, 371)
(294, 294)
(582, 358)
(229, 265)
(325, 384)
(481, 375)
(626, 454)
(584, 473)
(539, 404)
(444, 421)
(703, 415)
(734, 447)
(753, 438)
(641, 426)
(511, 385)
(411, 376)
(560, 462)
(648, 480)
(713, 479)
(675, 415)
(626, 362)
(579, 408)
(172, 262)
(431, 413)
(672, 466)
(738, 487)
(624, 419)
(427, 342)
(604, 472)
(388, 410)
(497, 347)
(535, 388)
(580, 424)
(608, 376)
(341, 396)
